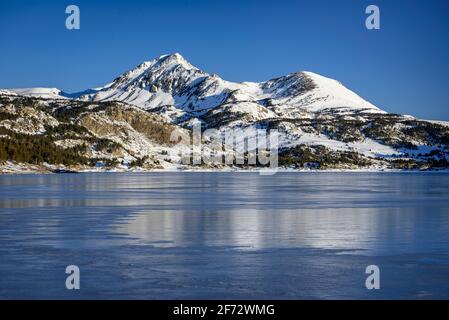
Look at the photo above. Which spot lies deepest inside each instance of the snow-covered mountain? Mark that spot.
(171, 86)
(319, 119)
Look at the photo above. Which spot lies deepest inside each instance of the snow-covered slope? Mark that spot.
(46, 93)
(329, 93)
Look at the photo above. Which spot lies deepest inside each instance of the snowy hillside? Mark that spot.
(46, 93)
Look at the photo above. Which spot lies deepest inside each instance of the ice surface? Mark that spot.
(225, 235)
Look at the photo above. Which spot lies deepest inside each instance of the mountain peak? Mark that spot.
(168, 60)
(173, 56)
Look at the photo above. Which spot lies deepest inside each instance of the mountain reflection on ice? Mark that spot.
(372, 230)
(224, 235)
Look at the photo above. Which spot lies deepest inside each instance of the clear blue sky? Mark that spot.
(401, 68)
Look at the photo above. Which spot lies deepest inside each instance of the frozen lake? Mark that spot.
(225, 235)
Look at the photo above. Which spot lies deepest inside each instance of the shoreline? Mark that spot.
(20, 169)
